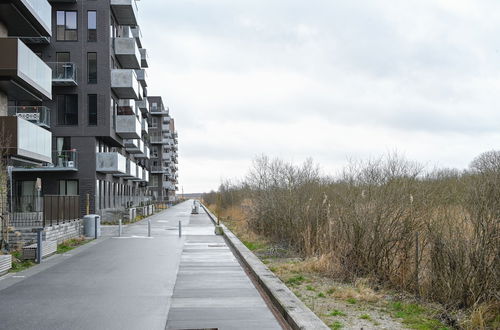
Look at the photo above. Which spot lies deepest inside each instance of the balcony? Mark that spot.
(128, 127)
(167, 155)
(144, 152)
(141, 77)
(127, 53)
(132, 146)
(144, 126)
(142, 175)
(143, 105)
(132, 170)
(158, 169)
(137, 34)
(125, 85)
(62, 161)
(111, 163)
(125, 12)
(25, 140)
(63, 73)
(23, 75)
(156, 110)
(168, 185)
(38, 115)
(165, 127)
(157, 138)
(27, 18)
(144, 58)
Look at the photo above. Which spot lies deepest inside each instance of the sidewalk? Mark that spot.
(212, 290)
(134, 282)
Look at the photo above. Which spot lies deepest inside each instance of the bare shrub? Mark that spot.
(435, 233)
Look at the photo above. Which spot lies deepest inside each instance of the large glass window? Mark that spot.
(67, 109)
(67, 25)
(92, 68)
(92, 107)
(91, 26)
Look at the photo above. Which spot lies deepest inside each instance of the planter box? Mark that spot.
(48, 249)
(130, 214)
(141, 211)
(5, 263)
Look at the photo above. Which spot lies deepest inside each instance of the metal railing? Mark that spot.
(40, 211)
(36, 114)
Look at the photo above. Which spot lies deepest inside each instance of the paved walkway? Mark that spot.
(212, 290)
(135, 282)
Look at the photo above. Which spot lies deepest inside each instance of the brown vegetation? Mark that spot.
(435, 234)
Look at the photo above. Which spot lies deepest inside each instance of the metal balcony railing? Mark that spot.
(39, 115)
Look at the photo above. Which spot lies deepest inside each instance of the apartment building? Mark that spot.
(24, 77)
(96, 108)
(163, 139)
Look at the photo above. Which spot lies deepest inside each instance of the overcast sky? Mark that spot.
(327, 79)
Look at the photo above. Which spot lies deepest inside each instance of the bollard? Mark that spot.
(180, 228)
(95, 227)
(39, 246)
(149, 228)
(120, 228)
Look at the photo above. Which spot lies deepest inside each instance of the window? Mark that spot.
(68, 187)
(113, 111)
(92, 26)
(63, 57)
(92, 108)
(92, 68)
(67, 25)
(67, 109)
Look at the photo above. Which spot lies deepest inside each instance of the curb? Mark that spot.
(294, 311)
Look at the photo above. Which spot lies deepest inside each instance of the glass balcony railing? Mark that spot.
(39, 115)
(65, 159)
(43, 9)
(32, 67)
(63, 73)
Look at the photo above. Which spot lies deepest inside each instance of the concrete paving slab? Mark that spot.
(212, 289)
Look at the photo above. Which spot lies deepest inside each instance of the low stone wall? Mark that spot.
(65, 231)
(62, 232)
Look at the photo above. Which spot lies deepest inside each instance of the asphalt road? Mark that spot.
(129, 283)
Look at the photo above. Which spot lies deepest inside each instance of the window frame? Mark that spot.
(64, 25)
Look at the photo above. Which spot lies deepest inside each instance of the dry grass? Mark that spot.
(484, 316)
